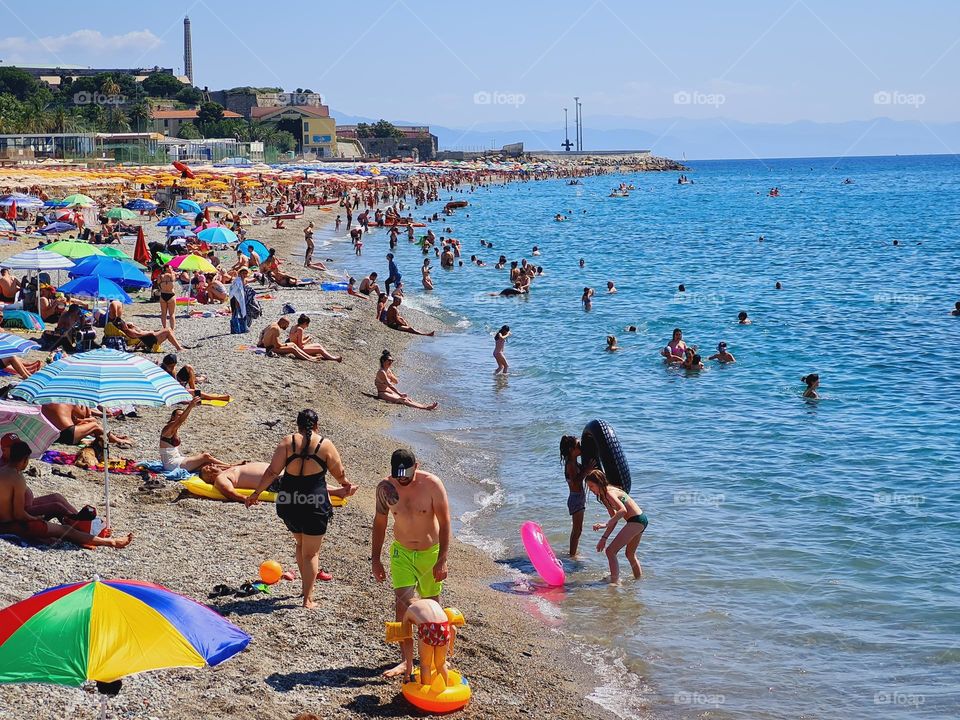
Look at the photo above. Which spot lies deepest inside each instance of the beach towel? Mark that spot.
(250, 348)
(156, 467)
(216, 403)
(121, 466)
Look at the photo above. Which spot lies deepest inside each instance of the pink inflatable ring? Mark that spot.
(541, 554)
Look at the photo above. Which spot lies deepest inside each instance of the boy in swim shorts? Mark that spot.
(436, 633)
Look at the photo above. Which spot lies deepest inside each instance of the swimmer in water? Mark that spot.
(536, 250)
(499, 341)
(692, 361)
(425, 272)
(721, 355)
(582, 262)
(812, 382)
(956, 310)
(612, 343)
(676, 349)
(631, 328)
(587, 298)
(778, 286)
(611, 288)
(681, 288)
(742, 318)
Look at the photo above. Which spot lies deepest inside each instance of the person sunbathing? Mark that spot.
(230, 478)
(118, 327)
(299, 338)
(270, 341)
(271, 270)
(76, 422)
(170, 454)
(188, 377)
(396, 321)
(17, 519)
(386, 383)
(217, 291)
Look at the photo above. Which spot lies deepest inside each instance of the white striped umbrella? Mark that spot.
(102, 379)
(29, 425)
(37, 260)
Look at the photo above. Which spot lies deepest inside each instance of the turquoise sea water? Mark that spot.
(802, 557)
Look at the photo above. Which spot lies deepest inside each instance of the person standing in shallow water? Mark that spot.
(303, 500)
(421, 531)
(812, 381)
(499, 342)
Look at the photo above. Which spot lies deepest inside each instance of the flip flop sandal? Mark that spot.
(220, 591)
(289, 575)
(324, 575)
(246, 590)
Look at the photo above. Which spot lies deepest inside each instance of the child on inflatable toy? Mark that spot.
(436, 631)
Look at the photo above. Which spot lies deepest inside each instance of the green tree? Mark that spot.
(162, 85)
(208, 113)
(139, 116)
(384, 129)
(16, 82)
(188, 131)
(11, 113)
(363, 130)
(37, 117)
(189, 96)
(282, 140)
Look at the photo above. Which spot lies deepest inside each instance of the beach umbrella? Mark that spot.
(164, 258)
(189, 206)
(55, 228)
(28, 424)
(6, 225)
(95, 288)
(29, 202)
(141, 253)
(106, 630)
(258, 247)
(114, 252)
(22, 319)
(38, 259)
(141, 204)
(101, 379)
(218, 236)
(122, 273)
(120, 213)
(54, 204)
(11, 345)
(180, 232)
(215, 207)
(73, 248)
(174, 221)
(79, 199)
(191, 262)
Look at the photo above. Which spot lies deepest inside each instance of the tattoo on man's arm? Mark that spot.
(387, 496)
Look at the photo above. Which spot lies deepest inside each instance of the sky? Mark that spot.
(496, 62)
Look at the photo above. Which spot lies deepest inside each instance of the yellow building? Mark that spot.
(311, 125)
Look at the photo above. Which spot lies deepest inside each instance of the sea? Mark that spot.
(803, 556)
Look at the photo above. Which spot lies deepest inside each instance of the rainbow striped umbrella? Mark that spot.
(107, 630)
(29, 425)
(11, 345)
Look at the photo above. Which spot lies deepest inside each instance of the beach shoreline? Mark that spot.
(326, 662)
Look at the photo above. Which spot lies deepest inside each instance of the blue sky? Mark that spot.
(488, 62)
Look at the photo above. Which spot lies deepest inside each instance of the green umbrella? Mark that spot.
(164, 258)
(115, 252)
(73, 248)
(78, 199)
(121, 214)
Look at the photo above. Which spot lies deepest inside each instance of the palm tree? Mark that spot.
(139, 115)
(36, 116)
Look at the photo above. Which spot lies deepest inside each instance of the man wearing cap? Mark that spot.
(421, 531)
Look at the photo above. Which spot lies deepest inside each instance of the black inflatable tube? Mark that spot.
(599, 442)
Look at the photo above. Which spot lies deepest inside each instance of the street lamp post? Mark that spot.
(566, 132)
(576, 120)
(580, 125)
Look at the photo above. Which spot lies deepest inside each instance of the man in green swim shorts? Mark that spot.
(421, 530)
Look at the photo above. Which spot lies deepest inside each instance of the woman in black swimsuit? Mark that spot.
(303, 500)
(168, 297)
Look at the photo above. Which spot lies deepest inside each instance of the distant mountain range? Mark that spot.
(710, 138)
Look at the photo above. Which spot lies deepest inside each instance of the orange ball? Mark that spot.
(270, 571)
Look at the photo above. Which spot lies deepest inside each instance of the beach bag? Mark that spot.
(254, 309)
(238, 325)
(115, 342)
(288, 309)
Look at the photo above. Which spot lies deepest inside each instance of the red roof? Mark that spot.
(186, 114)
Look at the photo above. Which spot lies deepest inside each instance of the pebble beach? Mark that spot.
(327, 661)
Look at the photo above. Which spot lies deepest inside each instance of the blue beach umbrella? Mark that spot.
(23, 202)
(54, 204)
(258, 247)
(140, 204)
(181, 232)
(7, 225)
(218, 236)
(11, 345)
(56, 228)
(122, 273)
(174, 221)
(189, 206)
(95, 288)
(101, 379)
